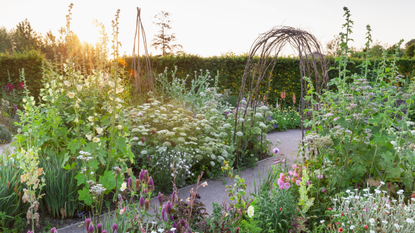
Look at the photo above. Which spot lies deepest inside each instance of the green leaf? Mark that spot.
(74, 145)
(85, 196)
(108, 181)
(81, 179)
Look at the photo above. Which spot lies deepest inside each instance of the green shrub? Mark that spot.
(5, 135)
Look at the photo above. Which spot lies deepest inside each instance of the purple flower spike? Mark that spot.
(87, 222)
(142, 201)
(276, 150)
(164, 215)
(141, 175)
(53, 230)
(130, 183)
(151, 183)
(91, 228)
(119, 197)
(99, 228)
(168, 206)
(160, 198)
(114, 228)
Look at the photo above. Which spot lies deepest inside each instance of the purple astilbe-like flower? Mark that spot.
(168, 206)
(142, 201)
(114, 228)
(182, 222)
(160, 198)
(53, 230)
(173, 196)
(91, 228)
(276, 150)
(141, 175)
(164, 215)
(146, 177)
(130, 183)
(87, 222)
(99, 228)
(151, 184)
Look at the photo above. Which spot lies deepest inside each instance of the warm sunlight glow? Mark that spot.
(86, 31)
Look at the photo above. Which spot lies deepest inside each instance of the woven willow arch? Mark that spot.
(267, 47)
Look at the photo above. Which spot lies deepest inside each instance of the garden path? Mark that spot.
(216, 189)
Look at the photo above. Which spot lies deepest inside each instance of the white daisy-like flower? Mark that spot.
(67, 83)
(71, 94)
(99, 130)
(123, 186)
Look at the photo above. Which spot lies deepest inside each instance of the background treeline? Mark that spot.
(285, 78)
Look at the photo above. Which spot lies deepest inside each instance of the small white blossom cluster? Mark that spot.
(377, 212)
(97, 189)
(85, 156)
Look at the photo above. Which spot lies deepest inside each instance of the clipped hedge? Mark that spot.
(12, 64)
(286, 75)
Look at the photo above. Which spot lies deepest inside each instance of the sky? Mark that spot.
(214, 27)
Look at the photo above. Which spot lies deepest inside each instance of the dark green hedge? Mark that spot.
(286, 74)
(13, 64)
(285, 78)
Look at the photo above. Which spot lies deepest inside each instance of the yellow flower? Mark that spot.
(96, 139)
(71, 95)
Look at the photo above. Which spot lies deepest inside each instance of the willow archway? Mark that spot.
(268, 46)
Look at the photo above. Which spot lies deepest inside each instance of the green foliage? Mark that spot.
(12, 66)
(11, 191)
(5, 135)
(410, 51)
(61, 199)
(285, 118)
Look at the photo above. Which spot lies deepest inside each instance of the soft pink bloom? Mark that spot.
(290, 172)
(295, 174)
(294, 166)
(320, 176)
(297, 182)
(287, 185)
